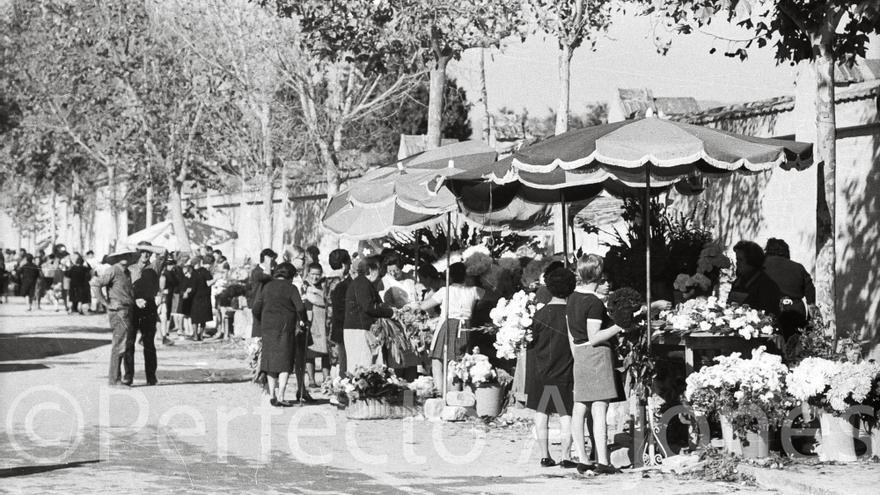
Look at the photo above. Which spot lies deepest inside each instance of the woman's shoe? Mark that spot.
(567, 464)
(583, 468)
(606, 469)
(275, 402)
(286, 403)
(547, 462)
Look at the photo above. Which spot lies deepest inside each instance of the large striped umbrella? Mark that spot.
(399, 197)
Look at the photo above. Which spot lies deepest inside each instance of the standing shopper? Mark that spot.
(549, 363)
(200, 312)
(337, 286)
(595, 381)
(117, 280)
(79, 293)
(362, 307)
(260, 275)
(282, 317)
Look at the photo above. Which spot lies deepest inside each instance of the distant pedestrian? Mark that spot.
(337, 285)
(145, 287)
(200, 282)
(29, 277)
(79, 293)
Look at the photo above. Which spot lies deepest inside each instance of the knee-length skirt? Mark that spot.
(594, 374)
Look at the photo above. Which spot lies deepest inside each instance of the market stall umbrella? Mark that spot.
(162, 234)
(398, 197)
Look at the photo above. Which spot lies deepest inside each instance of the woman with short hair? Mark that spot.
(595, 382)
(362, 307)
(282, 316)
(549, 381)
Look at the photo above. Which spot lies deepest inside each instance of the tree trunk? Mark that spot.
(175, 208)
(148, 202)
(267, 197)
(435, 102)
(53, 214)
(267, 216)
(331, 168)
(285, 205)
(562, 109)
(484, 99)
(826, 135)
(111, 184)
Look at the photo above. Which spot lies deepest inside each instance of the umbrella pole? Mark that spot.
(446, 338)
(646, 213)
(564, 227)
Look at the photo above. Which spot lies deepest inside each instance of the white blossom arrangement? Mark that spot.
(513, 318)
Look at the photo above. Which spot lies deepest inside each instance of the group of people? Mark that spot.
(59, 277)
(571, 360)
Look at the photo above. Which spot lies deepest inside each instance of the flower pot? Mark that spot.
(837, 442)
(489, 400)
(377, 409)
(754, 446)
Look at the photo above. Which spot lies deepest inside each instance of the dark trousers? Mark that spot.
(144, 322)
(121, 324)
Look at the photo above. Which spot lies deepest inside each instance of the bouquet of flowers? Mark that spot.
(475, 370)
(712, 316)
(513, 318)
(390, 333)
(622, 304)
(417, 326)
(834, 386)
(742, 389)
(373, 382)
(712, 258)
(423, 387)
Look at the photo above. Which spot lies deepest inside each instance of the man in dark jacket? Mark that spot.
(145, 314)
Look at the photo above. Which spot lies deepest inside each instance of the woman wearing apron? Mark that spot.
(451, 330)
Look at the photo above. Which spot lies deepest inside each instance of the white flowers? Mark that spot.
(473, 369)
(712, 316)
(513, 319)
(834, 385)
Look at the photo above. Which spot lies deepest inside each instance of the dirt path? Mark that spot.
(206, 429)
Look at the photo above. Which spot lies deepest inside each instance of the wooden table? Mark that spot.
(695, 342)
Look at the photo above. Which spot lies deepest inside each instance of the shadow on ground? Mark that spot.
(28, 348)
(11, 367)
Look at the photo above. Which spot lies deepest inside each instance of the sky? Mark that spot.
(524, 75)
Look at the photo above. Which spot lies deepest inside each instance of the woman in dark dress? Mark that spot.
(200, 312)
(29, 277)
(549, 381)
(79, 294)
(186, 297)
(282, 316)
(595, 380)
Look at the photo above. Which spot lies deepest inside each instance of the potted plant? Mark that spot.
(748, 396)
(488, 383)
(373, 392)
(833, 388)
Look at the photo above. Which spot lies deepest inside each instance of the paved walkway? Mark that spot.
(205, 429)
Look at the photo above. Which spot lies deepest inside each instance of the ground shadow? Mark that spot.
(11, 367)
(28, 470)
(59, 330)
(29, 348)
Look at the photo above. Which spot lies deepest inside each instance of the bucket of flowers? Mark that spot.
(512, 319)
(836, 390)
(373, 392)
(710, 315)
(488, 383)
(747, 395)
